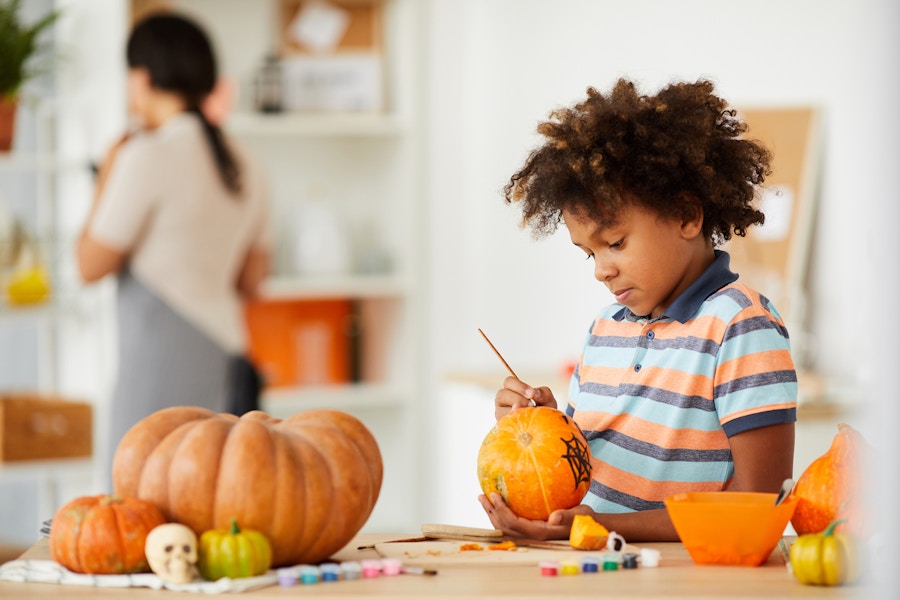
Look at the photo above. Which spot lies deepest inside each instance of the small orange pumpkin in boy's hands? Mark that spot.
(103, 535)
(537, 460)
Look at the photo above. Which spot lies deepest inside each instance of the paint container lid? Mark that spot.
(330, 571)
(351, 569)
(549, 567)
(287, 577)
(371, 568)
(309, 574)
(629, 561)
(649, 557)
(590, 564)
(391, 566)
(610, 562)
(570, 567)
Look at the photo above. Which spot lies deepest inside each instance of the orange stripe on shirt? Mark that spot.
(647, 489)
(713, 328)
(753, 364)
(672, 380)
(655, 433)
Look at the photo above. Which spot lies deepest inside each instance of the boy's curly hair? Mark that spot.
(672, 153)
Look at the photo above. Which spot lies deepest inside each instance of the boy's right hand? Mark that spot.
(518, 394)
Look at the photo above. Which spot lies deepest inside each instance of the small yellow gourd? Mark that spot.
(233, 553)
(828, 558)
(587, 534)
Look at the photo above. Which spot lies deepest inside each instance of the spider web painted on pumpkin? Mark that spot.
(579, 459)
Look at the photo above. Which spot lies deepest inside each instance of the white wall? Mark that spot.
(499, 66)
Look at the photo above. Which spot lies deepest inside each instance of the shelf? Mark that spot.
(350, 286)
(56, 306)
(35, 162)
(284, 402)
(314, 124)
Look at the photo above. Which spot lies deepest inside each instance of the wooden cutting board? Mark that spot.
(442, 553)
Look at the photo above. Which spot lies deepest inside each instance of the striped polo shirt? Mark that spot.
(658, 398)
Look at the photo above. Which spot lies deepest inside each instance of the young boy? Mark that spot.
(686, 383)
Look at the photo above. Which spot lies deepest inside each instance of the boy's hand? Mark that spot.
(555, 528)
(518, 394)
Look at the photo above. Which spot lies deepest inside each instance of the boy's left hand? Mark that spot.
(556, 527)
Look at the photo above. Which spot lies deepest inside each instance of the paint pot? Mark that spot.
(629, 561)
(309, 574)
(649, 557)
(569, 567)
(549, 568)
(351, 569)
(590, 564)
(391, 566)
(330, 571)
(371, 568)
(286, 577)
(610, 562)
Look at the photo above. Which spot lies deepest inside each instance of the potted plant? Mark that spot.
(18, 44)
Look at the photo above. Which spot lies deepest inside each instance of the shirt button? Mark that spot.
(637, 368)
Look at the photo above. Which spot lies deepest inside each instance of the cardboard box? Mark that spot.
(43, 427)
(346, 72)
(363, 31)
(301, 342)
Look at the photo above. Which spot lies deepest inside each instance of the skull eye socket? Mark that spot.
(186, 549)
(169, 548)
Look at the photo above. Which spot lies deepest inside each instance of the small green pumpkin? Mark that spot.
(233, 553)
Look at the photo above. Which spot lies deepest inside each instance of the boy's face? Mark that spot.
(645, 261)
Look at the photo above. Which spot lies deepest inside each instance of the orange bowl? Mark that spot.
(729, 528)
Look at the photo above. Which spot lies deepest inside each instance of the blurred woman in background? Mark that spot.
(180, 217)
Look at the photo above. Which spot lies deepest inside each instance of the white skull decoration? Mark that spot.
(171, 551)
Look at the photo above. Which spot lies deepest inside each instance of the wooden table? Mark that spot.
(675, 577)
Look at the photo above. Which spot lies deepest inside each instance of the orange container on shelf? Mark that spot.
(301, 342)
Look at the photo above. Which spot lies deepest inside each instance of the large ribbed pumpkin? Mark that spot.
(308, 482)
(537, 460)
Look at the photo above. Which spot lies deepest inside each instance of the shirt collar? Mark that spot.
(716, 276)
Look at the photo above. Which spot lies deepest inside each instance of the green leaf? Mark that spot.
(18, 46)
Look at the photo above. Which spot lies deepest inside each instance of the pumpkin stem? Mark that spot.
(830, 529)
(236, 530)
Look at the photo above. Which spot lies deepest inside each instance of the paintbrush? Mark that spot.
(503, 360)
(497, 352)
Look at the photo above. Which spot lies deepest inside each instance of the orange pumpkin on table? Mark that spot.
(831, 487)
(103, 535)
(537, 460)
(308, 482)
